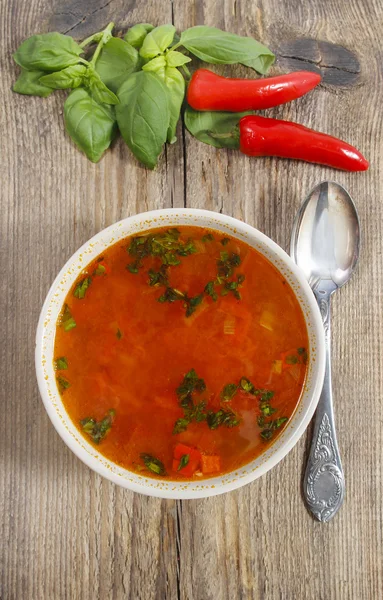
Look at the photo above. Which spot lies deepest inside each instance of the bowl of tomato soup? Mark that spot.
(180, 353)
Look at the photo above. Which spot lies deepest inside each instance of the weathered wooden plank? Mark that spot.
(65, 532)
(260, 542)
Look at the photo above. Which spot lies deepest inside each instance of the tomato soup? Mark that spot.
(181, 353)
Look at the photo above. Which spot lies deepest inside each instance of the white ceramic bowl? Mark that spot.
(45, 338)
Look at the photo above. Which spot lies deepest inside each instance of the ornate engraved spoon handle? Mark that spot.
(324, 480)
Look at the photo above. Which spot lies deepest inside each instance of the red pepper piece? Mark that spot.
(193, 463)
(208, 91)
(260, 136)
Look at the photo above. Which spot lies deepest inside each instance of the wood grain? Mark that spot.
(66, 533)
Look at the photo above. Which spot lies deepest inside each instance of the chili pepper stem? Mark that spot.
(220, 136)
(234, 133)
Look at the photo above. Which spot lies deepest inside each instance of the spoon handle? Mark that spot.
(324, 484)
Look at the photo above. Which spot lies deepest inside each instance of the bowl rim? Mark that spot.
(182, 491)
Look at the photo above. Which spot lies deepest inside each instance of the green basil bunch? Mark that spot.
(133, 84)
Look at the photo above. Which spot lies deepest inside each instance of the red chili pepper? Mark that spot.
(260, 136)
(208, 91)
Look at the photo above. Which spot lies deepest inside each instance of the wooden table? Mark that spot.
(65, 532)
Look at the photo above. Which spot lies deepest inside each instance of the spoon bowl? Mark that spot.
(325, 239)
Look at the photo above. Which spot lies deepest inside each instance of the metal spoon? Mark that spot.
(325, 243)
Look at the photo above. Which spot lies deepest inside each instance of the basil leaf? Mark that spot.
(71, 77)
(207, 124)
(156, 65)
(135, 35)
(91, 125)
(29, 83)
(116, 62)
(98, 89)
(157, 41)
(220, 47)
(48, 52)
(175, 84)
(143, 115)
(176, 59)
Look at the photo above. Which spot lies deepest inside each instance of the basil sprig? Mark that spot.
(135, 83)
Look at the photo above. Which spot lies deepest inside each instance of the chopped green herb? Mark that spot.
(224, 256)
(81, 288)
(225, 241)
(171, 295)
(166, 246)
(67, 322)
(62, 383)
(133, 267)
(227, 418)
(88, 424)
(190, 384)
(266, 395)
(229, 391)
(198, 414)
(186, 249)
(292, 359)
(191, 304)
(208, 237)
(224, 416)
(183, 461)
(160, 277)
(267, 410)
(118, 334)
(170, 259)
(227, 264)
(100, 270)
(181, 425)
(261, 421)
(97, 430)
(303, 354)
(246, 385)
(209, 290)
(153, 464)
(193, 412)
(61, 363)
(270, 427)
